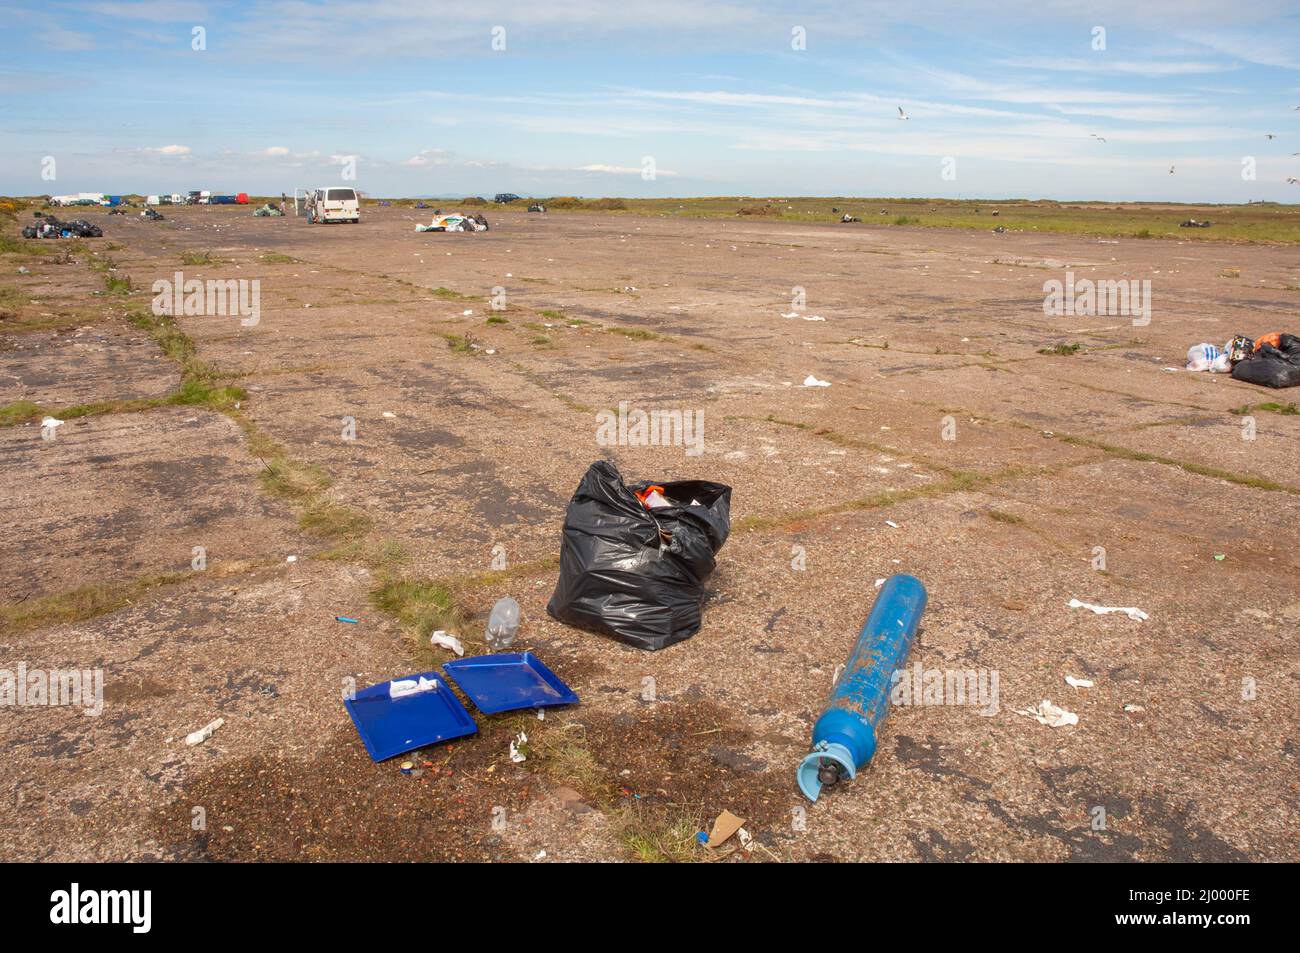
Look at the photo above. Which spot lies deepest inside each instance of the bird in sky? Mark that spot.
(1292, 180)
(1269, 135)
(1097, 137)
(1171, 170)
(901, 114)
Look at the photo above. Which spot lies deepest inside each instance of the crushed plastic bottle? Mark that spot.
(503, 624)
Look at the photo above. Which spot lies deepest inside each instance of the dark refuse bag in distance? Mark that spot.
(633, 573)
(1272, 366)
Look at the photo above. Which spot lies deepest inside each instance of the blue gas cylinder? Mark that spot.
(844, 738)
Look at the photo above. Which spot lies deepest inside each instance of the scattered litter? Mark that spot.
(879, 583)
(1137, 615)
(508, 682)
(50, 227)
(812, 381)
(891, 523)
(343, 618)
(391, 726)
(813, 317)
(405, 687)
(860, 699)
(1208, 357)
(467, 312)
(1219, 557)
(517, 756)
(724, 827)
(455, 222)
(1134, 708)
(1077, 682)
(204, 733)
(291, 559)
(50, 423)
(792, 314)
(503, 624)
(1045, 713)
(445, 641)
(1272, 361)
(746, 840)
(389, 414)
(540, 855)
(612, 582)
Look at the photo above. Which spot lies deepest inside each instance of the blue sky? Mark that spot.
(1013, 93)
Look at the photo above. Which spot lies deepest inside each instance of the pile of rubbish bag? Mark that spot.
(633, 559)
(455, 222)
(1270, 361)
(50, 227)
(153, 216)
(267, 211)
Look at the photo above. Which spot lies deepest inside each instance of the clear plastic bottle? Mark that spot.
(503, 624)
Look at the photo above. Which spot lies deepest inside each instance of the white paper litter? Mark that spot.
(891, 523)
(204, 733)
(1134, 708)
(516, 755)
(1045, 713)
(1137, 615)
(446, 641)
(811, 381)
(792, 314)
(405, 687)
(50, 423)
(1078, 682)
(813, 317)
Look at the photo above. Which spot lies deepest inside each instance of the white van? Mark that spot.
(334, 205)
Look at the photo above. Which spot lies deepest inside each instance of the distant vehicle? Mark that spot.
(81, 198)
(333, 205)
(504, 197)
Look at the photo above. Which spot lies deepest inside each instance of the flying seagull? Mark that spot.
(1097, 137)
(1269, 135)
(1171, 170)
(1292, 180)
(901, 114)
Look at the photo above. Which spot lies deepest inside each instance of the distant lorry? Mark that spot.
(333, 205)
(80, 198)
(173, 199)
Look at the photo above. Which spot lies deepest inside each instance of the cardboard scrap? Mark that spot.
(724, 827)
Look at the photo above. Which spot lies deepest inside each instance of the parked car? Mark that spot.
(504, 197)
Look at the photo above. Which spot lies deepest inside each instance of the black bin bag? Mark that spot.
(634, 573)
(1272, 366)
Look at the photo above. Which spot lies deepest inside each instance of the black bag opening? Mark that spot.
(634, 573)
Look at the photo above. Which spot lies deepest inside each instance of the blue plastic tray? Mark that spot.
(390, 727)
(508, 681)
